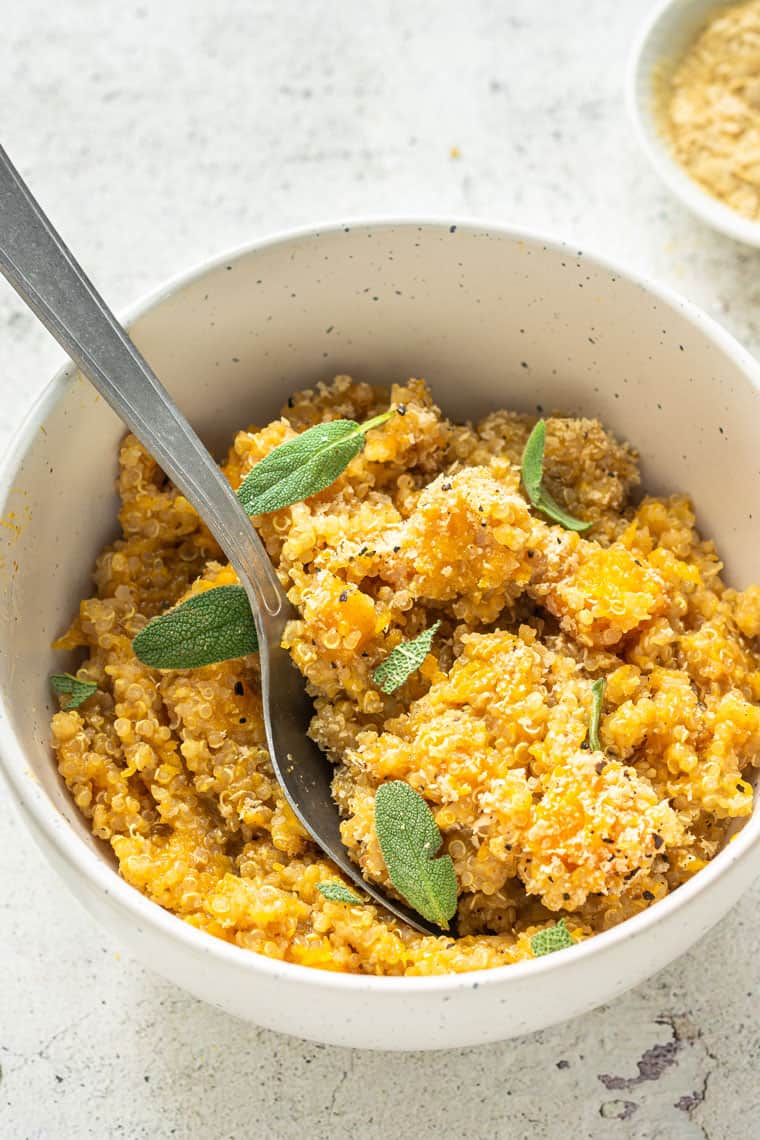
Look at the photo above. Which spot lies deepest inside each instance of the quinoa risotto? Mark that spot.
(429, 523)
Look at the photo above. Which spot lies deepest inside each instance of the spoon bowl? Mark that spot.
(305, 774)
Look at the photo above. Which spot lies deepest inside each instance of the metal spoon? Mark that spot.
(42, 270)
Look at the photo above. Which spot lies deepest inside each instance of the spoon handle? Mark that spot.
(42, 270)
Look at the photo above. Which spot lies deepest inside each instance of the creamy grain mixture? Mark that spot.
(428, 523)
(712, 108)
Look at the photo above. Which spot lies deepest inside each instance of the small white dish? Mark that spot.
(670, 29)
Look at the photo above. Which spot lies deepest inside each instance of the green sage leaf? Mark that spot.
(532, 477)
(216, 625)
(338, 892)
(404, 660)
(409, 838)
(66, 685)
(597, 692)
(305, 465)
(551, 938)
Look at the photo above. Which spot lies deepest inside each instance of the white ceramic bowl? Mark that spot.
(671, 27)
(491, 317)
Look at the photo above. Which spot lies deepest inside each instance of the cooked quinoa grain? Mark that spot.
(428, 524)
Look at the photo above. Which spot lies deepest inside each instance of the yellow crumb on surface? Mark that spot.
(711, 111)
(428, 524)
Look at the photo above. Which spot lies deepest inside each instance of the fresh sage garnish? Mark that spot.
(532, 477)
(216, 625)
(66, 685)
(409, 839)
(404, 660)
(597, 692)
(551, 938)
(338, 892)
(305, 465)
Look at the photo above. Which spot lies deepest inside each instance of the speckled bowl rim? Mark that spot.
(27, 790)
(639, 102)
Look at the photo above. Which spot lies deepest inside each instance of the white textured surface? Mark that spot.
(157, 134)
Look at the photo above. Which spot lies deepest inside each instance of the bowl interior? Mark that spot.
(488, 317)
(669, 32)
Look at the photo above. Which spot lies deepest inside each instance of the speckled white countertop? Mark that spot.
(157, 134)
